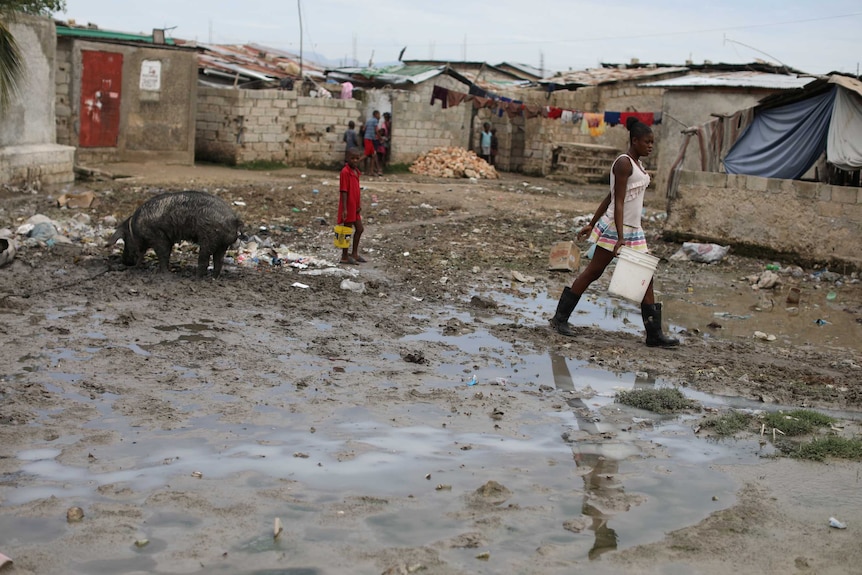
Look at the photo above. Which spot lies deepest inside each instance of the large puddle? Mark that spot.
(613, 476)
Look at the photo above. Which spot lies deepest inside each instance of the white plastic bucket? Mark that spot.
(632, 275)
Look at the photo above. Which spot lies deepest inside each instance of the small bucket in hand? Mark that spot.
(343, 234)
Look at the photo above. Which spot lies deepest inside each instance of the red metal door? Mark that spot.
(101, 80)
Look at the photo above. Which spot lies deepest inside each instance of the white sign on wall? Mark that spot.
(151, 75)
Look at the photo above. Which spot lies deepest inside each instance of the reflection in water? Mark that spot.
(602, 489)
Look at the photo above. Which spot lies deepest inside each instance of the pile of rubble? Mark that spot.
(453, 163)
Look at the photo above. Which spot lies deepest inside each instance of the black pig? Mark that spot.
(168, 218)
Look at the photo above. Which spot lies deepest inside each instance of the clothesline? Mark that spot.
(592, 123)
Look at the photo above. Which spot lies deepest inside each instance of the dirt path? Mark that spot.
(183, 416)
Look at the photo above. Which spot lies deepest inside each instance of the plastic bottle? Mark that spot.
(773, 267)
(473, 380)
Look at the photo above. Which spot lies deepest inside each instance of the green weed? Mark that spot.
(728, 424)
(664, 400)
(821, 448)
(797, 422)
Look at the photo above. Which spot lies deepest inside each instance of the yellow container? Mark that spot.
(343, 234)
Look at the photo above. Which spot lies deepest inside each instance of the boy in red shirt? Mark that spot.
(349, 206)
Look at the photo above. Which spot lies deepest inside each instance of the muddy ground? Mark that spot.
(184, 416)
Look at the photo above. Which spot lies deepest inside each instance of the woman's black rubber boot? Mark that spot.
(565, 307)
(655, 337)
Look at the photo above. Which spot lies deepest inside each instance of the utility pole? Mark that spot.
(299, 9)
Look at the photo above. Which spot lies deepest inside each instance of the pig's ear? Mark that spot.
(117, 235)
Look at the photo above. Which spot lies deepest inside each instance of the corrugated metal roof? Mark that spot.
(395, 74)
(531, 71)
(847, 82)
(609, 75)
(732, 80)
(97, 34)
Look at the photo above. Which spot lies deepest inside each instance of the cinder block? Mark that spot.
(844, 195)
(756, 183)
(829, 209)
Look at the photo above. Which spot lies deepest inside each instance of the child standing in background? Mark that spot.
(349, 206)
(350, 139)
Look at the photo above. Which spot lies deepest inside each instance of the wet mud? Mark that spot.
(431, 424)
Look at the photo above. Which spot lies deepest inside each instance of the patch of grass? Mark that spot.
(728, 424)
(829, 446)
(261, 165)
(798, 421)
(398, 169)
(664, 400)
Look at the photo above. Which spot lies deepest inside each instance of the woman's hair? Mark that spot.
(636, 128)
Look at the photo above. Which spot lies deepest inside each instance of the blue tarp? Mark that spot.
(783, 142)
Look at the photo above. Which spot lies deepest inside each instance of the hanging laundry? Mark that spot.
(456, 98)
(566, 116)
(477, 91)
(479, 102)
(555, 113)
(647, 118)
(532, 111)
(657, 117)
(612, 118)
(593, 124)
(347, 91)
(440, 93)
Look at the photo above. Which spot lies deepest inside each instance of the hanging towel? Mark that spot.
(440, 93)
(593, 124)
(566, 116)
(612, 118)
(647, 118)
(455, 98)
(477, 91)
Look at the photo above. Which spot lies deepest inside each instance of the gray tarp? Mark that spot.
(844, 145)
(783, 142)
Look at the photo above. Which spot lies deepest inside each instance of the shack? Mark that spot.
(125, 97)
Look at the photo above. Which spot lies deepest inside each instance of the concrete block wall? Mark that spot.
(63, 119)
(418, 127)
(320, 126)
(585, 163)
(244, 126)
(817, 222)
(37, 165)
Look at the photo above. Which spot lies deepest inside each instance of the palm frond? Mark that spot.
(11, 67)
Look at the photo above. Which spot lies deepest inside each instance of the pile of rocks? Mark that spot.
(453, 163)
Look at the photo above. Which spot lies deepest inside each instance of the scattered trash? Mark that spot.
(793, 295)
(701, 253)
(501, 381)
(303, 176)
(239, 203)
(728, 315)
(443, 487)
(765, 280)
(764, 336)
(299, 285)
(519, 277)
(484, 556)
(80, 200)
(43, 232)
(819, 321)
(355, 287)
(4, 561)
(277, 528)
(836, 524)
(8, 249)
(473, 380)
(831, 296)
(197, 475)
(142, 543)
(315, 191)
(564, 256)
(773, 267)
(74, 515)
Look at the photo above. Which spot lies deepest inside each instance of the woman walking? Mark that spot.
(618, 216)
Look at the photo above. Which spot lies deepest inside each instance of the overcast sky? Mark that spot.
(816, 37)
